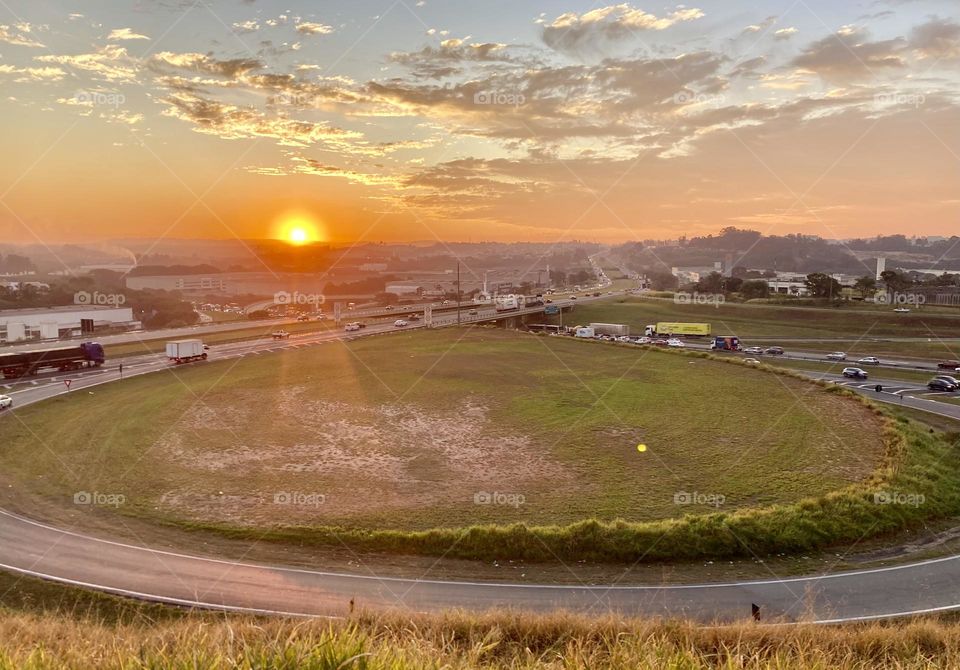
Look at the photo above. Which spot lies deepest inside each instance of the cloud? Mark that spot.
(246, 26)
(125, 34)
(206, 64)
(785, 33)
(849, 55)
(18, 36)
(110, 62)
(573, 32)
(938, 38)
(449, 58)
(234, 122)
(308, 28)
(32, 74)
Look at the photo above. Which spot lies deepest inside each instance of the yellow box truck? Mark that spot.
(667, 328)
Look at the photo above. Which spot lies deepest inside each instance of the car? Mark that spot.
(474, 312)
(445, 302)
(400, 323)
(901, 310)
(869, 360)
(937, 384)
(644, 340)
(774, 351)
(280, 334)
(855, 373)
(949, 365)
(949, 379)
(389, 308)
(751, 361)
(413, 317)
(674, 342)
(350, 327)
(660, 342)
(837, 356)
(6, 402)
(753, 350)
(303, 317)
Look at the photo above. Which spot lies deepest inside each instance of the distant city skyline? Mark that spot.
(435, 120)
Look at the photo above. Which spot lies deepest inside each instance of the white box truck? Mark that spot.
(615, 329)
(185, 351)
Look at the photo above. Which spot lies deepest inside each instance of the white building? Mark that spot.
(50, 323)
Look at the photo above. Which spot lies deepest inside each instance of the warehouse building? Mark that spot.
(50, 323)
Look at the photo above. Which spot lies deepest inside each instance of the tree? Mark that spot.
(712, 283)
(754, 288)
(865, 286)
(895, 281)
(662, 281)
(387, 298)
(822, 285)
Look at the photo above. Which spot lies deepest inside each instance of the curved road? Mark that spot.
(36, 549)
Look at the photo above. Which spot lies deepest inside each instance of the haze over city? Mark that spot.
(435, 120)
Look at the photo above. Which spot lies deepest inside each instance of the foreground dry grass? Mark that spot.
(36, 640)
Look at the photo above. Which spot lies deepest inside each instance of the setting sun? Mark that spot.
(297, 228)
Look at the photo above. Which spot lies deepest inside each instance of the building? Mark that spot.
(50, 323)
(373, 267)
(689, 275)
(881, 267)
(947, 296)
(404, 289)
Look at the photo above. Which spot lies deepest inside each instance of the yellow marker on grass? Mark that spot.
(641, 448)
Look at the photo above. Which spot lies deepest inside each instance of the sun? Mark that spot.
(298, 235)
(297, 228)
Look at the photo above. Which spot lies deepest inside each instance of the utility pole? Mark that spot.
(458, 293)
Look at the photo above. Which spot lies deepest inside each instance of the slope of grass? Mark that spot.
(465, 642)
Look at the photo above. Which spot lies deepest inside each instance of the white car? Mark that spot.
(644, 340)
(869, 360)
(350, 327)
(400, 323)
(902, 310)
(837, 356)
(751, 361)
(6, 402)
(674, 342)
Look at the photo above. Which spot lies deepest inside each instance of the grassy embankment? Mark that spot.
(68, 629)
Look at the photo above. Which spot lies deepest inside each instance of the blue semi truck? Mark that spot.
(24, 363)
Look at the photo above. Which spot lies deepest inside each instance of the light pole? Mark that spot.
(458, 293)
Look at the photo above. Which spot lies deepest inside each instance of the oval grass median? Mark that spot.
(491, 445)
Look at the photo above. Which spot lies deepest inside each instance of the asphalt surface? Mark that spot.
(31, 548)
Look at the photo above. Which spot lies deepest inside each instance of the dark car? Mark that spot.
(950, 380)
(774, 351)
(949, 365)
(938, 384)
(855, 373)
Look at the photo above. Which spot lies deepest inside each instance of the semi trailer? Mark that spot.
(23, 363)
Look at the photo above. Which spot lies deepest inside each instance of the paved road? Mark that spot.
(40, 550)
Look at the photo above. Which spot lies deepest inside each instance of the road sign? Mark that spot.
(337, 312)
(428, 316)
(67, 382)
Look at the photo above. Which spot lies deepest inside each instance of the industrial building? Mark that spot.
(50, 323)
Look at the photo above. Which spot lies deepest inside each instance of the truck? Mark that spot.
(20, 364)
(616, 329)
(186, 351)
(584, 331)
(669, 328)
(532, 300)
(726, 343)
(505, 303)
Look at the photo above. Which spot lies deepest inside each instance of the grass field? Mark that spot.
(65, 639)
(405, 431)
(857, 330)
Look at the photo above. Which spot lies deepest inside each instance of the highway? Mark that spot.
(32, 548)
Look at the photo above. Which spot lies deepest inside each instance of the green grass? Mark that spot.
(413, 425)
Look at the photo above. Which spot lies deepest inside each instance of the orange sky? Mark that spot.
(610, 123)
